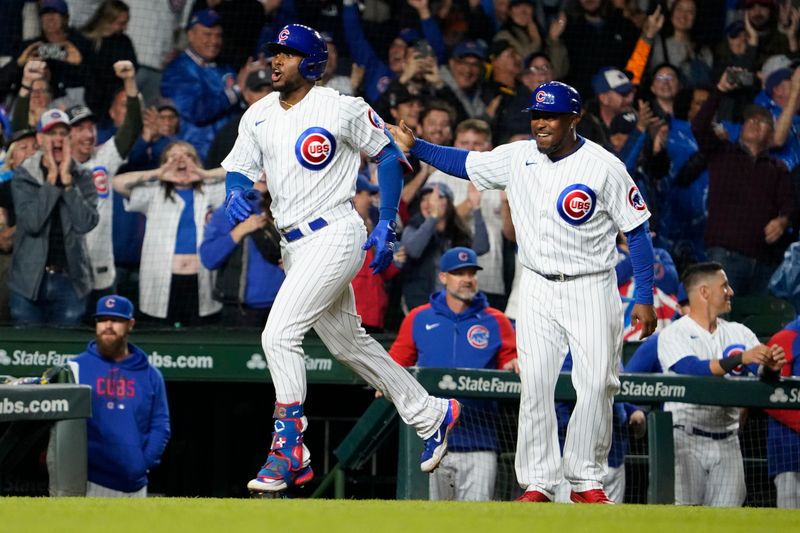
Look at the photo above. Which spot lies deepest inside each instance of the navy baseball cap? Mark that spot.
(363, 184)
(408, 35)
(205, 17)
(53, 6)
(114, 305)
(734, 28)
(470, 48)
(459, 257)
(611, 79)
(775, 79)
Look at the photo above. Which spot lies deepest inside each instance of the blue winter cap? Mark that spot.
(206, 17)
(114, 305)
(459, 257)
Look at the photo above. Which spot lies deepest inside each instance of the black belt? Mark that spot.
(558, 277)
(708, 434)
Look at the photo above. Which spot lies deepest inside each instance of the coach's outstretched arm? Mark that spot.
(449, 160)
(642, 257)
(391, 164)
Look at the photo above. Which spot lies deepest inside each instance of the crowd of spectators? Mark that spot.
(698, 99)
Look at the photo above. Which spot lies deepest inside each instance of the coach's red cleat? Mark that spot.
(590, 496)
(533, 496)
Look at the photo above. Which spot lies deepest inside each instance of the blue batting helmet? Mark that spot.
(306, 42)
(555, 97)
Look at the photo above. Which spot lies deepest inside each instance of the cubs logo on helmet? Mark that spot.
(478, 336)
(730, 351)
(543, 97)
(635, 199)
(100, 179)
(576, 204)
(315, 148)
(283, 35)
(375, 119)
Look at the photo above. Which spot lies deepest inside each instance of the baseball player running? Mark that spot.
(307, 140)
(568, 198)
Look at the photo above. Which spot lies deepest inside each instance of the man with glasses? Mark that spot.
(463, 75)
(538, 69)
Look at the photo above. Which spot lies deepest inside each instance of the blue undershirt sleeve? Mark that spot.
(692, 366)
(391, 163)
(449, 160)
(236, 181)
(641, 251)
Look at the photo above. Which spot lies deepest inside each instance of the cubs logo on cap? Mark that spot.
(114, 305)
(478, 336)
(576, 204)
(375, 119)
(730, 351)
(635, 199)
(100, 179)
(315, 148)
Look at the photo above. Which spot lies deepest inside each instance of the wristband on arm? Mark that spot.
(729, 363)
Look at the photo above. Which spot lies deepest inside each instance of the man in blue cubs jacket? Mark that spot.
(129, 427)
(206, 94)
(458, 329)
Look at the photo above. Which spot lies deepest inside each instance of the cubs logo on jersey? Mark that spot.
(100, 179)
(635, 199)
(315, 148)
(576, 204)
(478, 336)
(730, 351)
(375, 119)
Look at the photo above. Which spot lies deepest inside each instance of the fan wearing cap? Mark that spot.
(751, 201)
(567, 196)
(436, 228)
(504, 94)
(129, 427)
(781, 96)
(62, 47)
(464, 74)
(207, 94)
(401, 55)
(456, 328)
(56, 206)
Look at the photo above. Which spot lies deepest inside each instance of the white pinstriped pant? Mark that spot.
(317, 293)
(93, 490)
(583, 315)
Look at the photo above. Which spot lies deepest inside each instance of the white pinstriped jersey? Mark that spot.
(104, 163)
(309, 152)
(566, 212)
(685, 337)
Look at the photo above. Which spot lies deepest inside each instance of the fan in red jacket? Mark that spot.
(458, 329)
(783, 434)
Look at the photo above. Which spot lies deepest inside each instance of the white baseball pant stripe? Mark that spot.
(317, 293)
(93, 490)
(464, 476)
(584, 316)
(788, 485)
(708, 471)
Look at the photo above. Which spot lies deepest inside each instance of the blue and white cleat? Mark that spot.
(436, 444)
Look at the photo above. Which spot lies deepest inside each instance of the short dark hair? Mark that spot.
(695, 273)
(438, 105)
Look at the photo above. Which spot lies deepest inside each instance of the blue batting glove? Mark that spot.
(237, 207)
(382, 238)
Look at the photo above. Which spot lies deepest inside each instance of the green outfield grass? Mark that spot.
(157, 515)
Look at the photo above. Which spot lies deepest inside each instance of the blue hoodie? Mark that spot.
(129, 427)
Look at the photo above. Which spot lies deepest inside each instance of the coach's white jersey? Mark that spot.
(104, 163)
(566, 212)
(309, 152)
(685, 337)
